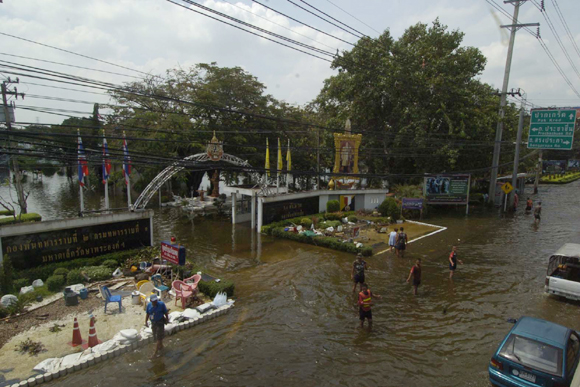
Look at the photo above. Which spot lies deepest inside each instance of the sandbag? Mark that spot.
(47, 365)
(173, 316)
(26, 289)
(146, 332)
(104, 347)
(204, 308)
(130, 334)
(169, 328)
(8, 300)
(70, 359)
(37, 283)
(191, 313)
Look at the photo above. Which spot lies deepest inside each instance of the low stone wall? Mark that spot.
(97, 358)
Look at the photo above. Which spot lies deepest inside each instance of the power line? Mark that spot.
(336, 20)
(563, 20)
(354, 17)
(74, 53)
(320, 17)
(248, 31)
(304, 24)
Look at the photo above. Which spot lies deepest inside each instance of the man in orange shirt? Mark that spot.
(365, 301)
(416, 274)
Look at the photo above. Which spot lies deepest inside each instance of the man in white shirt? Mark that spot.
(393, 238)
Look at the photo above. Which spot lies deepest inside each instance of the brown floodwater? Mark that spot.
(295, 320)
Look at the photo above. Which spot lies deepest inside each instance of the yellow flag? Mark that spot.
(280, 166)
(288, 158)
(267, 166)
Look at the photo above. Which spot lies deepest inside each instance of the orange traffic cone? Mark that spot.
(76, 338)
(93, 340)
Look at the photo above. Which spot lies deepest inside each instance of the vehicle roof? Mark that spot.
(569, 250)
(545, 330)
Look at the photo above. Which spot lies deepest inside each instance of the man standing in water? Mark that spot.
(365, 301)
(358, 271)
(453, 262)
(416, 274)
(401, 244)
(529, 205)
(393, 238)
(538, 213)
(157, 314)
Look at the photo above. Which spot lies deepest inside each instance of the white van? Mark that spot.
(563, 276)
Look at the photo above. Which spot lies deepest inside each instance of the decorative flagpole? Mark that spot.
(127, 170)
(288, 165)
(106, 170)
(267, 164)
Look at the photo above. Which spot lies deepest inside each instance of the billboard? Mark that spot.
(553, 166)
(346, 153)
(447, 189)
(412, 204)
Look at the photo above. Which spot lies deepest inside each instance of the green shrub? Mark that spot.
(75, 277)
(333, 216)
(97, 273)
(6, 212)
(111, 264)
(20, 283)
(329, 223)
(55, 283)
(390, 208)
(30, 297)
(353, 219)
(32, 217)
(60, 271)
(332, 206)
(306, 223)
(211, 288)
(329, 242)
(45, 271)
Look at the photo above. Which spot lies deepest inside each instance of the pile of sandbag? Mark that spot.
(126, 336)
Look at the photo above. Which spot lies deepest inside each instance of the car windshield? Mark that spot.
(534, 354)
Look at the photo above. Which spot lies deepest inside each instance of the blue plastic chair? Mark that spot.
(159, 287)
(108, 298)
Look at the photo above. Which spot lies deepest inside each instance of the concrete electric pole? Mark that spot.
(8, 117)
(499, 130)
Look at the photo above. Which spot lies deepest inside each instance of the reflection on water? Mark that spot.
(295, 321)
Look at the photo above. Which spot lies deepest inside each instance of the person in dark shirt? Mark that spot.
(453, 262)
(416, 274)
(358, 271)
(401, 244)
(538, 213)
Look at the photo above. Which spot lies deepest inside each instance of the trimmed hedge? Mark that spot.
(20, 283)
(60, 271)
(111, 263)
(332, 206)
(329, 242)
(97, 273)
(55, 283)
(75, 277)
(306, 222)
(6, 212)
(22, 218)
(43, 272)
(352, 219)
(211, 288)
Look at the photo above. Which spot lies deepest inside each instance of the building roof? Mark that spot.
(548, 331)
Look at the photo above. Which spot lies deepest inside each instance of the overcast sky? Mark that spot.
(154, 35)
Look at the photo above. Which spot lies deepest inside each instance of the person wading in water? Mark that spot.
(529, 205)
(358, 271)
(453, 262)
(401, 245)
(416, 274)
(365, 301)
(538, 213)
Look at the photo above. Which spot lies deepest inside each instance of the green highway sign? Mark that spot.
(552, 129)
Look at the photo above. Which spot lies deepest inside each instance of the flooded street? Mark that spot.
(295, 321)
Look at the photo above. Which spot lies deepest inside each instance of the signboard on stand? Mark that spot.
(173, 253)
(552, 129)
(412, 204)
(447, 189)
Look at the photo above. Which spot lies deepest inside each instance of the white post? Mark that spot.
(253, 206)
(260, 212)
(107, 194)
(129, 192)
(82, 199)
(234, 207)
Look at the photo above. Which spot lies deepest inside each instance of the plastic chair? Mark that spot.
(159, 286)
(140, 283)
(193, 280)
(183, 291)
(145, 291)
(108, 298)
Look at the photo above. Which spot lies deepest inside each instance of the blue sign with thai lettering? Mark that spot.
(412, 204)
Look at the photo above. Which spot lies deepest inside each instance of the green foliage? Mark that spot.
(45, 271)
(329, 223)
(211, 288)
(333, 216)
(390, 208)
(353, 219)
(332, 206)
(55, 283)
(7, 276)
(20, 283)
(408, 191)
(110, 263)
(306, 222)
(6, 212)
(98, 273)
(31, 297)
(328, 242)
(75, 277)
(22, 218)
(61, 271)
(560, 179)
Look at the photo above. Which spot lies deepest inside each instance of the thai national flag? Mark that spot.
(126, 161)
(83, 166)
(106, 161)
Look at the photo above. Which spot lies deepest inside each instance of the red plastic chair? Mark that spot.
(183, 291)
(193, 280)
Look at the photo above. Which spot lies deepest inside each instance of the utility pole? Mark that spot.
(318, 159)
(499, 130)
(517, 154)
(17, 173)
(538, 170)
